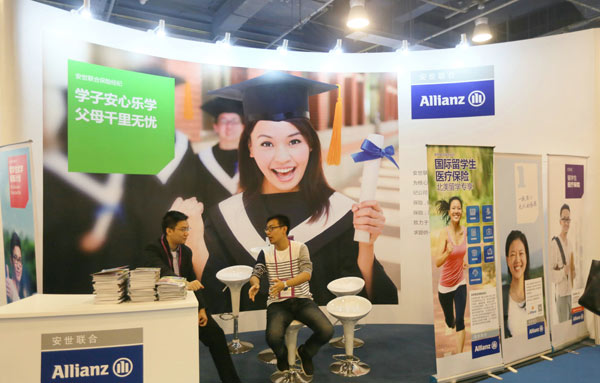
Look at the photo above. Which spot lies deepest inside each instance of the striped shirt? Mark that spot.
(283, 265)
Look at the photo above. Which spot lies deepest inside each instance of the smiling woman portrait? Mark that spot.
(450, 254)
(513, 294)
(281, 173)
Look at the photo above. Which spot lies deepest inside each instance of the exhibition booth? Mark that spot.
(505, 134)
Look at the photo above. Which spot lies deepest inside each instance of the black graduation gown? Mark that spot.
(231, 230)
(147, 198)
(69, 214)
(218, 171)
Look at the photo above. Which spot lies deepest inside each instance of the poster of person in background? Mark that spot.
(566, 274)
(461, 220)
(18, 229)
(520, 255)
(113, 210)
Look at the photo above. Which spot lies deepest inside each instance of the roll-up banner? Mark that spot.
(520, 250)
(461, 211)
(19, 277)
(566, 204)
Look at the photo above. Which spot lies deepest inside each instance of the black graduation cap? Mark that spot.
(159, 71)
(219, 105)
(274, 96)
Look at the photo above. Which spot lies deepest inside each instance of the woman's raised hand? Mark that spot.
(368, 216)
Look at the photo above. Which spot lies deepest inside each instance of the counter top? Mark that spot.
(53, 305)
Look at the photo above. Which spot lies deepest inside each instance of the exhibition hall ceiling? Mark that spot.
(315, 25)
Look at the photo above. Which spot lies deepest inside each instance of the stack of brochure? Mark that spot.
(171, 288)
(142, 284)
(110, 285)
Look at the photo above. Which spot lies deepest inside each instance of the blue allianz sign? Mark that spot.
(104, 356)
(448, 93)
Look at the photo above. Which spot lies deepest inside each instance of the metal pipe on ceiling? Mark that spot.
(466, 21)
(584, 5)
(299, 24)
(449, 7)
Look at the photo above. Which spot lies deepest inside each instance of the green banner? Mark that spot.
(119, 121)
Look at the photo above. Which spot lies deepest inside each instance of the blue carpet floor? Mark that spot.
(406, 353)
(395, 353)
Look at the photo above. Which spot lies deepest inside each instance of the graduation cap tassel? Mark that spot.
(188, 109)
(335, 146)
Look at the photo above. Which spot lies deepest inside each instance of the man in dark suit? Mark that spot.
(173, 257)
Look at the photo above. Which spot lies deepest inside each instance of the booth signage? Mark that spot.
(119, 121)
(93, 356)
(451, 93)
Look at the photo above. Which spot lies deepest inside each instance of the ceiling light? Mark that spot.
(404, 48)
(338, 47)
(482, 32)
(226, 42)
(283, 48)
(357, 18)
(160, 29)
(463, 41)
(84, 11)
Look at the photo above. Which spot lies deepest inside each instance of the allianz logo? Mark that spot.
(476, 98)
(121, 368)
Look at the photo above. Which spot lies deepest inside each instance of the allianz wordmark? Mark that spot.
(464, 92)
(106, 356)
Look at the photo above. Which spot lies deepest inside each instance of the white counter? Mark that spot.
(166, 331)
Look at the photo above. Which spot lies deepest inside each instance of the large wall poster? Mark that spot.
(461, 216)
(520, 256)
(566, 220)
(95, 221)
(18, 227)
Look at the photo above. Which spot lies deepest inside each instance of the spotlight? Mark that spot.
(84, 11)
(226, 42)
(404, 48)
(463, 41)
(160, 29)
(338, 47)
(482, 32)
(283, 48)
(357, 18)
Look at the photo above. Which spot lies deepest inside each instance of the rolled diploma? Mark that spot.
(369, 183)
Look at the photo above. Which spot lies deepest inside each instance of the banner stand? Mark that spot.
(489, 371)
(509, 366)
(563, 346)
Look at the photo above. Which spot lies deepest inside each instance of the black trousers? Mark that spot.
(213, 337)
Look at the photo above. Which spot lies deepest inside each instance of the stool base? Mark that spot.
(236, 346)
(290, 376)
(340, 342)
(349, 366)
(267, 356)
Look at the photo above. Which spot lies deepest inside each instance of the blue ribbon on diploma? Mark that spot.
(370, 151)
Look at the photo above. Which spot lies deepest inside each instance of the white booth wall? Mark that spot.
(546, 101)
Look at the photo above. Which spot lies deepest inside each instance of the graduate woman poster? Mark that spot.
(461, 220)
(96, 221)
(520, 256)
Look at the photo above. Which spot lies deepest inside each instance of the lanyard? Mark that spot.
(169, 255)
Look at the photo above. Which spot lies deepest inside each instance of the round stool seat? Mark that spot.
(235, 277)
(348, 310)
(239, 274)
(346, 286)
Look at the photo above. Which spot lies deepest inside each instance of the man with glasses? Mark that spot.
(17, 287)
(219, 163)
(173, 257)
(562, 266)
(288, 268)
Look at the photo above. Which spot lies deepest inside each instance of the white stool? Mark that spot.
(342, 287)
(349, 310)
(235, 277)
(294, 374)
